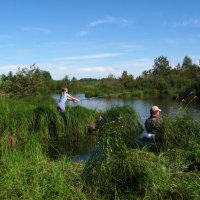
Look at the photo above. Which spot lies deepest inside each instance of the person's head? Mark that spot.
(64, 90)
(155, 110)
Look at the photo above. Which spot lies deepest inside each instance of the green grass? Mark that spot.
(117, 169)
(180, 132)
(21, 117)
(135, 175)
(26, 173)
(126, 119)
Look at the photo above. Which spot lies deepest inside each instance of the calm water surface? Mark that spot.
(142, 106)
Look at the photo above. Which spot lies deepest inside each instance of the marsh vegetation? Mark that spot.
(119, 167)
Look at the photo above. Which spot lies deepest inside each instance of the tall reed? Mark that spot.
(180, 132)
(20, 117)
(129, 121)
(26, 173)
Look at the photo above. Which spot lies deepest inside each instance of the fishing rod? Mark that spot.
(106, 95)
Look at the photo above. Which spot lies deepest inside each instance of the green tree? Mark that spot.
(187, 63)
(161, 66)
(111, 84)
(5, 84)
(2, 78)
(127, 80)
(10, 76)
(147, 73)
(124, 75)
(66, 78)
(29, 82)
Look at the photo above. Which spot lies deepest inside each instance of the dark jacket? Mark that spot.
(153, 124)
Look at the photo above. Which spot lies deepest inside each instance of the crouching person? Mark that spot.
(152, 125)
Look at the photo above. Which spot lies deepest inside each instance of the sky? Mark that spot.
(96, 38)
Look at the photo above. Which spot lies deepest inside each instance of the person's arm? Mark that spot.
(73, 99)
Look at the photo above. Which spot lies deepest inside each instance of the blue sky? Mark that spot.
(95, 38)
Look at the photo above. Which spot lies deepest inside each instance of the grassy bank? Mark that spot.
(117, 169)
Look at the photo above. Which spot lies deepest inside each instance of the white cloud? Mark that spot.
(170, 41)
(106, 20)
(135, 66)
(14, 68)
(88, 70)
(82, 33)
(97, 72)
(92, 56)
(128, 46)
(192, 22)
(84, 72)
(36, 29)
(123, 22)
(109, 20)
(97, 69)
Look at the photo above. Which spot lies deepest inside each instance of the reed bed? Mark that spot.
(72, 125)
(19, 118)
(126, 119)
(180, 132)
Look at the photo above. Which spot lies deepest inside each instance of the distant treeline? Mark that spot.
(161, 79)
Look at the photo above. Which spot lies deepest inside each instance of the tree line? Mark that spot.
(160, 79)
(178, 81)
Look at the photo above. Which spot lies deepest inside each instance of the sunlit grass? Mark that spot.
(26, 173)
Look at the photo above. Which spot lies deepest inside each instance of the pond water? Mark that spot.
(142, 106)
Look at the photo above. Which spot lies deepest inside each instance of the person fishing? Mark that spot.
(154, 122)
(153, 126)
(63, 99)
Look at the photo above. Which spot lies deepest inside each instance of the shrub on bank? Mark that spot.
(128, 121)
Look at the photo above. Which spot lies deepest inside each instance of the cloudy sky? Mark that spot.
(93, 38)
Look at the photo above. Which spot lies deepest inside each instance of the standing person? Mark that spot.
(63, 99)
(154, 122)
